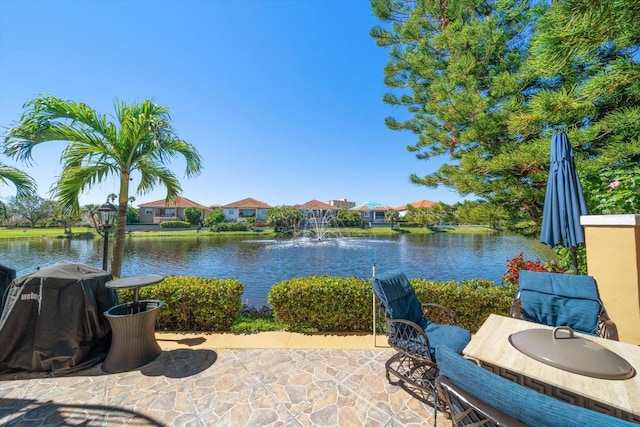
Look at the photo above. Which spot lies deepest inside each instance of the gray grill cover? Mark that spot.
(53, 320)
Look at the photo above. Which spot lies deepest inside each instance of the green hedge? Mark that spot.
(472, 300)
(337, 304)
(322, 303)
(232, 226)
(175, 224)
(344, 304)
(194, 303)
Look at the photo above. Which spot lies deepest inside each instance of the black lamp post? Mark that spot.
(107, 214)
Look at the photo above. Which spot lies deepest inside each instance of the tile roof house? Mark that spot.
(373, 212)
(402, 210)
(317, 206)
(317, 212)
(161, 210)
(245, 209)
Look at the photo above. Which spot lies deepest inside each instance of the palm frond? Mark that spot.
(47, 118)
(152, 174)
(24, 184)
(76, 180)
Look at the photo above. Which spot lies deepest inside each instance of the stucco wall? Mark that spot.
(613, 259)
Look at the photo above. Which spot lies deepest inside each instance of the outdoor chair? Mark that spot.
(465, 409)
(562, 300)
(495, 400)
(415, 338)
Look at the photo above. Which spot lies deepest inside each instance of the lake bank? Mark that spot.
(82, 232)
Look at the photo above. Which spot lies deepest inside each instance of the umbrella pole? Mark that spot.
(574, 259)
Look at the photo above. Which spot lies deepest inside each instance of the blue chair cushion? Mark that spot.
(521, 403)
(453, 337)
(560, 300)
(397, 295)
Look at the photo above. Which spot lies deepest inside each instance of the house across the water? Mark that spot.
(161, 210)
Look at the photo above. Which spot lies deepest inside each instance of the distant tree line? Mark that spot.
(35, 211)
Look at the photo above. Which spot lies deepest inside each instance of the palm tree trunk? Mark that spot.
(118, 247)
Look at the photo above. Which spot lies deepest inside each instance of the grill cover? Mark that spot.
(6, 276)
(52, 319)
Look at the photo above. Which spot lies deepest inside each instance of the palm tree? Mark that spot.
(140, 139)
(391, 216)
(25, 185)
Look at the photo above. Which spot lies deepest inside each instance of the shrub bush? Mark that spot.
(175, 224)
(517, 263)
(344, 304)
(310, 304)
(194, 303)
(232, 226)
(322, 303)
(472, 300)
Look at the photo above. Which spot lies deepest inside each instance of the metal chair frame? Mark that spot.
(412, 367)
(466, 410)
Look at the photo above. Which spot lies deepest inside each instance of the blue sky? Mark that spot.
(283, 99)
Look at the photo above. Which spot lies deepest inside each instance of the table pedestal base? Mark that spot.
(133, 341)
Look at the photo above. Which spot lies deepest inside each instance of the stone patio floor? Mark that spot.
(266, 379)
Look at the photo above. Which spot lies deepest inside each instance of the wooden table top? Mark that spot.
(491, 344)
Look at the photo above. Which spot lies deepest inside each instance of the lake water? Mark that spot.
(259, 263)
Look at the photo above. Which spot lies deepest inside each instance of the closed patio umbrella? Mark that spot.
(564, 201)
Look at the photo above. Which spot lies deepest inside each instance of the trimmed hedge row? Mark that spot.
(194, 303)
(175, 224)
(344, 304)
(231, 226)
(316, 303)
(322, 303)
(473, 300)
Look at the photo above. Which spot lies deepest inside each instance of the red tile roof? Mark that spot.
(419, 204)
(176, 202)
(316, 205)
(248, 203)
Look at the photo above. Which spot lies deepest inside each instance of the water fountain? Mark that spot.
(319, 225)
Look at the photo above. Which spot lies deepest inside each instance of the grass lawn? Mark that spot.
(42, 233)
(248, 325)
(38, 233)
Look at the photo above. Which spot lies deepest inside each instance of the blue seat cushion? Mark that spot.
(521, 403)
(397, 296)
(450, 336)
(560, 300)
(453, 337)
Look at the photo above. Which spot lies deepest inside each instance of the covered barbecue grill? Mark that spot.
(52, 319)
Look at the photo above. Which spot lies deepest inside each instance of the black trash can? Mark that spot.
(133, 340)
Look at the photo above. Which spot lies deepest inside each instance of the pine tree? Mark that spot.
(486, 84)
(458, 67)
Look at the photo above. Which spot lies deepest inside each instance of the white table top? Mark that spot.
(491, 344)
(134, 281)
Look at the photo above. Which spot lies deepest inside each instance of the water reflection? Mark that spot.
(261, 262)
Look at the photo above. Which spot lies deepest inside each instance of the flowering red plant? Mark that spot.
(515, 264)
